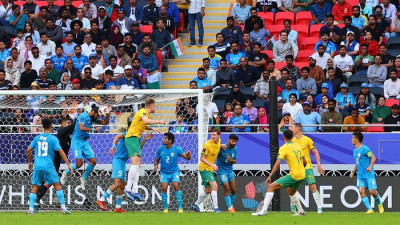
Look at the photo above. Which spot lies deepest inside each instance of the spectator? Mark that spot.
(210, 73)
(307, 117)
(36, 59)
(222, 47)
(363, 108)
(331, 117)
(321, 56)
(285, 5)
(262, 118)
(161, 37)
(148, 42)
(139, 73)
(59, 59)
(273, 72)
(96, 69)
(332, 82)
(345, 100)
(119, 71)
(341, 9)
(254, 18)
(233, 58)
(306, 85)
(112, 9)
(47, 48)
(338, 72)
(316, 72)
(395, 26)
(19, 18)
(391, 87)
(122, 58)
(225, 75)
(127, 82)
(101, 58)
(213, 57)
(239, 119)
(108, 81)
(150, 13)
(363, 61)
(381, 111)
(247, 46)
(266, 6)
(168, 21)
(78, 59)
(294, 71)
(4, 53)
(376, 31)
(65, 82)
(88, 48)
(37, 125)
(369, 98)
(172, 11)
(69, 45)
(228, 113)
(179, 126)
(359, 20)
(329, 46)
(18, 41)
(124, 23)
(19, 122)
(261, 90)
(85, 21)
(292, 106)
(28, 31)
(55, 33)
(301, 6)
(377, 73)
(393, 118)
(284, 77)
(258, 59)
(246, 75)
(77, 33)
(133, 11)
(349, 27)
(286, 122)
(389, 9)
(107, 48)
(89, 9)
(64, 22)
(183, 7)
(231, 33)
(323, 107)
(5, 13)
(52, 73)
(129, 47)
(88, 82)
(319, 11)
(292, 34)
(344, 61)
(28, 76)
(284, 47)
(353, 119)
(259, 35)
(149, 62)
(366, 9)
(250, 111)
(70, 8)
(333, 30)
(387, 60)
(17, 59)
(309, 98)
(76, 84)
(73, 72)
(289, 90)
(202, 81)
(104, 20)
(95, 32)
(236, 97)
(241, 12)
(116, 37)
(43, 81)
(12, 74)
(352, 46)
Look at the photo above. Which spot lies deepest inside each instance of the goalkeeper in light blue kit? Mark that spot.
(364, 168)
(45, 146)
(167, 157)
(225, 160)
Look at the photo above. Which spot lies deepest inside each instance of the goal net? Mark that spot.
(20, 121)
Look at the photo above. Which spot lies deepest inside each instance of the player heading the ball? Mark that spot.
(45, 146)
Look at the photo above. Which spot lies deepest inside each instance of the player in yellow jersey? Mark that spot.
(207, 167)
(307, 146)
(133, 144)
(292, 154)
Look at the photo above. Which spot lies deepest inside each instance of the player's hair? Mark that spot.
(46, 123)
(170, 136)
(66, 119)
(95, 108)
(149, 102)
(298, 125)
(216, 131)
(288, 134)
(359, 136)
(234, 137)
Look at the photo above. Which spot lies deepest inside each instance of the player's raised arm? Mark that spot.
(146, 138)
(147, 121)
(29, 154)
(318, 159)
(65, 158)
(114, 143)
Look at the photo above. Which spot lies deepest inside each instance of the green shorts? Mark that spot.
(206, 178)
(133, 146)
(310, 178)
(288, 181)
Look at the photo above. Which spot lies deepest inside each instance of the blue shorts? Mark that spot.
(119, 169)
(169, 177)
(81, 149)
(368, 183)
(225, 177)
(49, 176)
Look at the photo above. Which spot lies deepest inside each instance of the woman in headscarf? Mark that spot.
(236, 97)
(25, 50)
(12, 73)
(116, 36)
(261, 119)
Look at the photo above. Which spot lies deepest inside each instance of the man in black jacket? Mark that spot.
(394, 118)
(150, 13)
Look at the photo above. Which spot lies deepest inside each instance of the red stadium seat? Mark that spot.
(242, 27)
(302, 31)
(304, 54)
(314, 30)
(303, 18)
(390, 102)
(59, 3)
(159, 59)
(41, 3)
(353, 2)
(341, 25)
(275, 30)
(146, 29)
(280, 65)
(309, 43)
(20, 3)
(269, 53)
(180, 29)
(301, 64)
(268, 17)
(282, 16)
(77, 3)
(64, 40)
(375, 129)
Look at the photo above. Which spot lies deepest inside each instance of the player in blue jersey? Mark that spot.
(364, 168)
(225, 160)
(167, 157)
(46, 145)
(80, 145)
(119, 170)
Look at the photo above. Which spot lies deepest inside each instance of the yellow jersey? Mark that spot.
(210, 150)
(292, 154)
(307, 145)
(137, 126)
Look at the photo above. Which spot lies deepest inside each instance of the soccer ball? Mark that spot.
(103, 111)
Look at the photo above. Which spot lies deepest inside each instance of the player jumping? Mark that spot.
(292, 154)
(364, 168)
(207, 167)
(307, 146)
(167, 157)
(80, 144)
(132, 142)
(225, 160)
(45, 146)
(119, 170)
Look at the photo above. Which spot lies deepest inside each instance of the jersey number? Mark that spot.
(297, 153)
(167, 159)
(42, 148)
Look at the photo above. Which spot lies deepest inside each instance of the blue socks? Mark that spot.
(60, 196)
(67, 171)
(89, 169)
(178, 196)
(119, 201)
(365, 200)
(233, 198)
(32, 199)
(377, 200)
(228, 201)
(164, 197)
(107, 194)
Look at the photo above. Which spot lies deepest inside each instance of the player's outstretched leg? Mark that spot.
(63, 178)
(88, 171)
(133, 180)
(293, 198)
(202, 195)
(118, 184)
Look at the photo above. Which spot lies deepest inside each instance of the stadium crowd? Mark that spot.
(342, 74)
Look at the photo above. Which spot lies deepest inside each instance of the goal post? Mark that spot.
(22, 110)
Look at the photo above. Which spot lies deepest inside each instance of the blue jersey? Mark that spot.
(234, 59)
(122, 151)
(169, 158)
(59, 63)
(222, 162)
(87, 121)
(45, 145)
(79, 63)
(362, 156)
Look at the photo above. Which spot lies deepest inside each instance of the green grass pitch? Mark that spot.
(191, 218)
